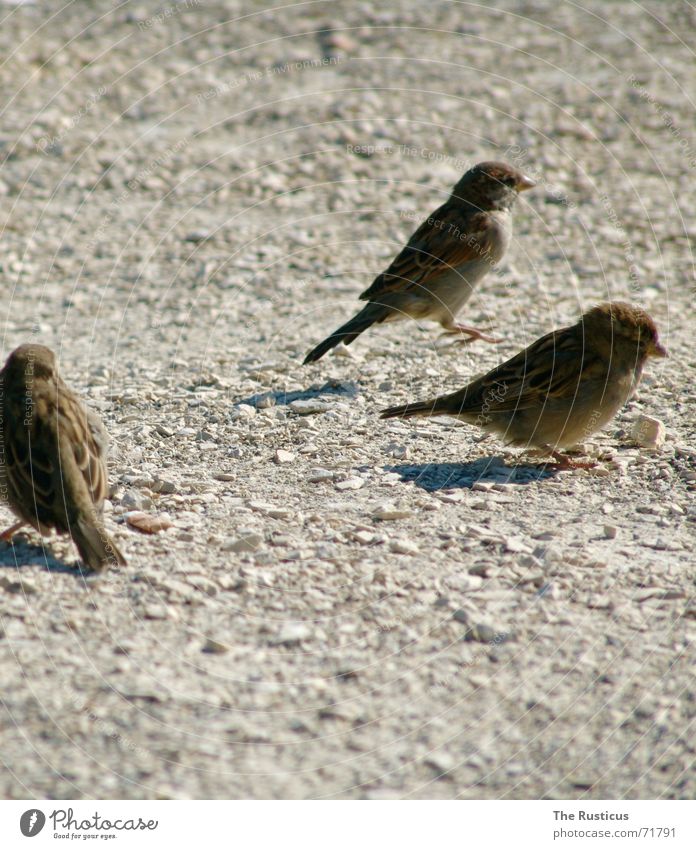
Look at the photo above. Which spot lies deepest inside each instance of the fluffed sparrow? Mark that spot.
(53, 457)
(562, 388)
(443, 261)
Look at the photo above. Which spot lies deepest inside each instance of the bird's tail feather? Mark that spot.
(349, 331)
(416, 408)
(96, 547)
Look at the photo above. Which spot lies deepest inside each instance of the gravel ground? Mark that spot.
(192, 196)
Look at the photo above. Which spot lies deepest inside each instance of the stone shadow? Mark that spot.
(331, 389)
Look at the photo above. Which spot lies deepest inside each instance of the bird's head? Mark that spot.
(492, 185)
(29, 362)
(622, 324)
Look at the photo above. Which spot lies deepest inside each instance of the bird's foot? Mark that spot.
(6, 536)
(473, 334)
(566, 463)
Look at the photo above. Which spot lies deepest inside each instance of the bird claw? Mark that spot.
(473, 333)
(566, 463)
(6, 536)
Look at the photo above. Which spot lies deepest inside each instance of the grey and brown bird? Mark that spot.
(435, 274)
(562, 388)
(53, 456)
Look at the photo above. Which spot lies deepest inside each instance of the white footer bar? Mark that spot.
(349, 825)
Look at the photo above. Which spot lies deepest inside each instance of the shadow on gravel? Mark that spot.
(435, 476)
(21, 552)
(345, 389)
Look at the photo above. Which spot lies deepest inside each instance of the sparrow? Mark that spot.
(562, 388)
(53, 456)
(436, 272)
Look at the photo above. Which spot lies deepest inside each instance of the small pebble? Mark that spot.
(481, 633)
(155, 611)
(244, 543)
(214, 647)
(197, 236)
(320, 475)
(364, 537)
(163, 486)
(17, 585)
(344, 351)
(403, 546)
(309, 406)
(350, 483)
(648, 432)
(442, 762)
(388, 513)
(243, 411)
(293, 633)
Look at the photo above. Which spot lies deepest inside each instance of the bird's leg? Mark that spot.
(6, 536)
(473, 334)
(565, 463)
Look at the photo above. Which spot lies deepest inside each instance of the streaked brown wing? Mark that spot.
(38, 466)
(442, 242)
(549, 368)
(77, 430)
(31, 458)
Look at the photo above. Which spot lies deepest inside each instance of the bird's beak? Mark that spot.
(657, 350)
(525, 183)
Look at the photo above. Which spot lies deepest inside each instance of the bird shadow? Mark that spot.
(433, 477)
(22, 552)
(332, 388)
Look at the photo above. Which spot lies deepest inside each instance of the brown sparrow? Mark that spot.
(53, 456)
(562, 388)
(443, 261)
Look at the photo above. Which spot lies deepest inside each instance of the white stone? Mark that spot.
(363, 537)
(243, 411)
(267, 402)
(400, 452)
(292, 633)
(350, 483)
(282, 456)
(344, 351)
(261, 506)
(320, 475)
(517, 545)
(403, 546)
(648, 432)
(309, 406)
(441, 762)
(464, 583)
(389, 512)
(283, 513)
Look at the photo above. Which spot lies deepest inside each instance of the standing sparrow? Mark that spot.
(562, 388)
(443, 261)
(53, 456)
